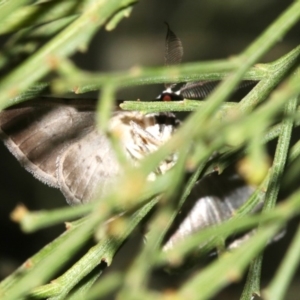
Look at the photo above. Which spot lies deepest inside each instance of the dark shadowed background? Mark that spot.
(209, 29)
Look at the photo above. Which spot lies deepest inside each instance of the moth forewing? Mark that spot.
(87, 167)
(38, 131)
(57, 140)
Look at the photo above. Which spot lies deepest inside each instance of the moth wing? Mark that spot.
(37, 131)
(201, 89)
(173, 48)
(173, 51)
(213, 200)
(86, 167)
(198, 89)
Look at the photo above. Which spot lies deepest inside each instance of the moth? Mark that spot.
(58, 142)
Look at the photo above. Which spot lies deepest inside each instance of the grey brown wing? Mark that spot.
(173, 51)
(87, 167)
(37, 131)
(212, 201)
(173, 48)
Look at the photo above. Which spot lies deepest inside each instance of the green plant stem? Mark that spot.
(275, 73)
(228, 269)
(103, 251)
(106, 106)
(9, 281)
(279, 284)
(65, 43)
(83, 287)
(140, 269)
(44, 269)
(32, 92)
(253, 281)
(8, 7)
(114, 21)
(227, 158)
(187, 190)
(281, 155)
(176, 106)
(214, 70)
(83, 82)
(202, 71)
(107, 285)
(260, 192)
(252, 286)
(32, 221)
(61, 286)
(34, 15)
(27, 42)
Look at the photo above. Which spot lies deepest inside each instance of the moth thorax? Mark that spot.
(142, 134)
